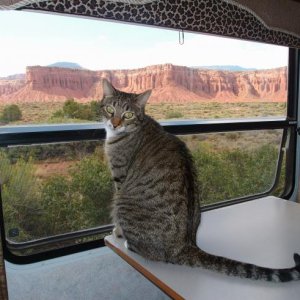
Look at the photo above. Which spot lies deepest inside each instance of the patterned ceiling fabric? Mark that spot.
(15, 4)
(276, 14)
(133, 1)
(218, 17)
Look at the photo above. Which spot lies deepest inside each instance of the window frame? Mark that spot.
(26, 135)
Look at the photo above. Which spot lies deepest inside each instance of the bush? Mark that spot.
(91, 178)
(95, 108)
(64, 209)
(82, 198)
(71, 108)
(11, 113)
(75, 110)
(81, 201)
(20, 194)
(230, 174)
(58, 204)
(174, 115)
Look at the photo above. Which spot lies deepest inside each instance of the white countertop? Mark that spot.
(265, 232)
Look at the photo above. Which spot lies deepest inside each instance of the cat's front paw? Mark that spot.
(117, 232)
(126, 245)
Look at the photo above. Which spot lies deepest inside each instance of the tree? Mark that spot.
(11, 113)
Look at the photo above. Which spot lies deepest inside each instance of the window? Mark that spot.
(52, 189)
(227, 99)
(56, 77)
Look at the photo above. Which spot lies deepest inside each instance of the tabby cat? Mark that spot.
(156, 202)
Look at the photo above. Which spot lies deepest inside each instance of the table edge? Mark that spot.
(156, 281)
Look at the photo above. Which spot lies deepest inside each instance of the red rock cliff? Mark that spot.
(169, 83)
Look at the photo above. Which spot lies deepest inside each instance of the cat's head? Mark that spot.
(122, 112)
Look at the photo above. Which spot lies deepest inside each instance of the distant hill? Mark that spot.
(227, 68)
(66, 64)
(14, 77)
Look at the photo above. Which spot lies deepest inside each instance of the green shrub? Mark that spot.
(173, 114)
(71, 109)
(11, 113)
(82, 198)
(91, 178)
(74, 110)
(20, 195)
(234, 173)
(64, 209)
(95, 108)
(58, 114)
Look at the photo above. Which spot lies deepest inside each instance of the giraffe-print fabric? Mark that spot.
(218, 17)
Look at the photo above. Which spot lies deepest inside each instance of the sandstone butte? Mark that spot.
(169, 83)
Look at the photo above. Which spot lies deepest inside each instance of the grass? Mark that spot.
(173, 114)
(41, 113)
(36, 113)
(214, 110)
(250, 140)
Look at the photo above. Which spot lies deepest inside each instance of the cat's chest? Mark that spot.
(119, 163)
(118, 158)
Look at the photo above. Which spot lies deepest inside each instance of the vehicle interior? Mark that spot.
(224, 76)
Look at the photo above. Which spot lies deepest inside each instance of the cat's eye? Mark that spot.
(109, 109)
(128, 115)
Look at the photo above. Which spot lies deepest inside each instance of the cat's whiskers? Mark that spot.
(111, 131)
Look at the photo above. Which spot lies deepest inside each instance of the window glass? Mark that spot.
(233, 165)
(54, 188)
(57, 188)
(49, 75)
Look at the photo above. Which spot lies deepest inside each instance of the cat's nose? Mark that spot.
(116, 121)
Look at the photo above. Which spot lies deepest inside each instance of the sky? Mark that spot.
(29, 39)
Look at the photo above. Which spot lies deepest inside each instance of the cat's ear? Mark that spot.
(108, 89)
(142, 99)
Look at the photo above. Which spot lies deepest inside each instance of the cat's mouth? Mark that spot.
(116, 128)
(112, 130)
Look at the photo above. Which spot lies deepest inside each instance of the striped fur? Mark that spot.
(156, 202)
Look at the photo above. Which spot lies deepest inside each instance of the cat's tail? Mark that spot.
(193, 256)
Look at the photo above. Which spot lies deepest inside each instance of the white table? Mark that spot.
(265, 232)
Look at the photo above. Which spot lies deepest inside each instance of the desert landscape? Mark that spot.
(170, 83)
(177, 91)
(49, 186)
